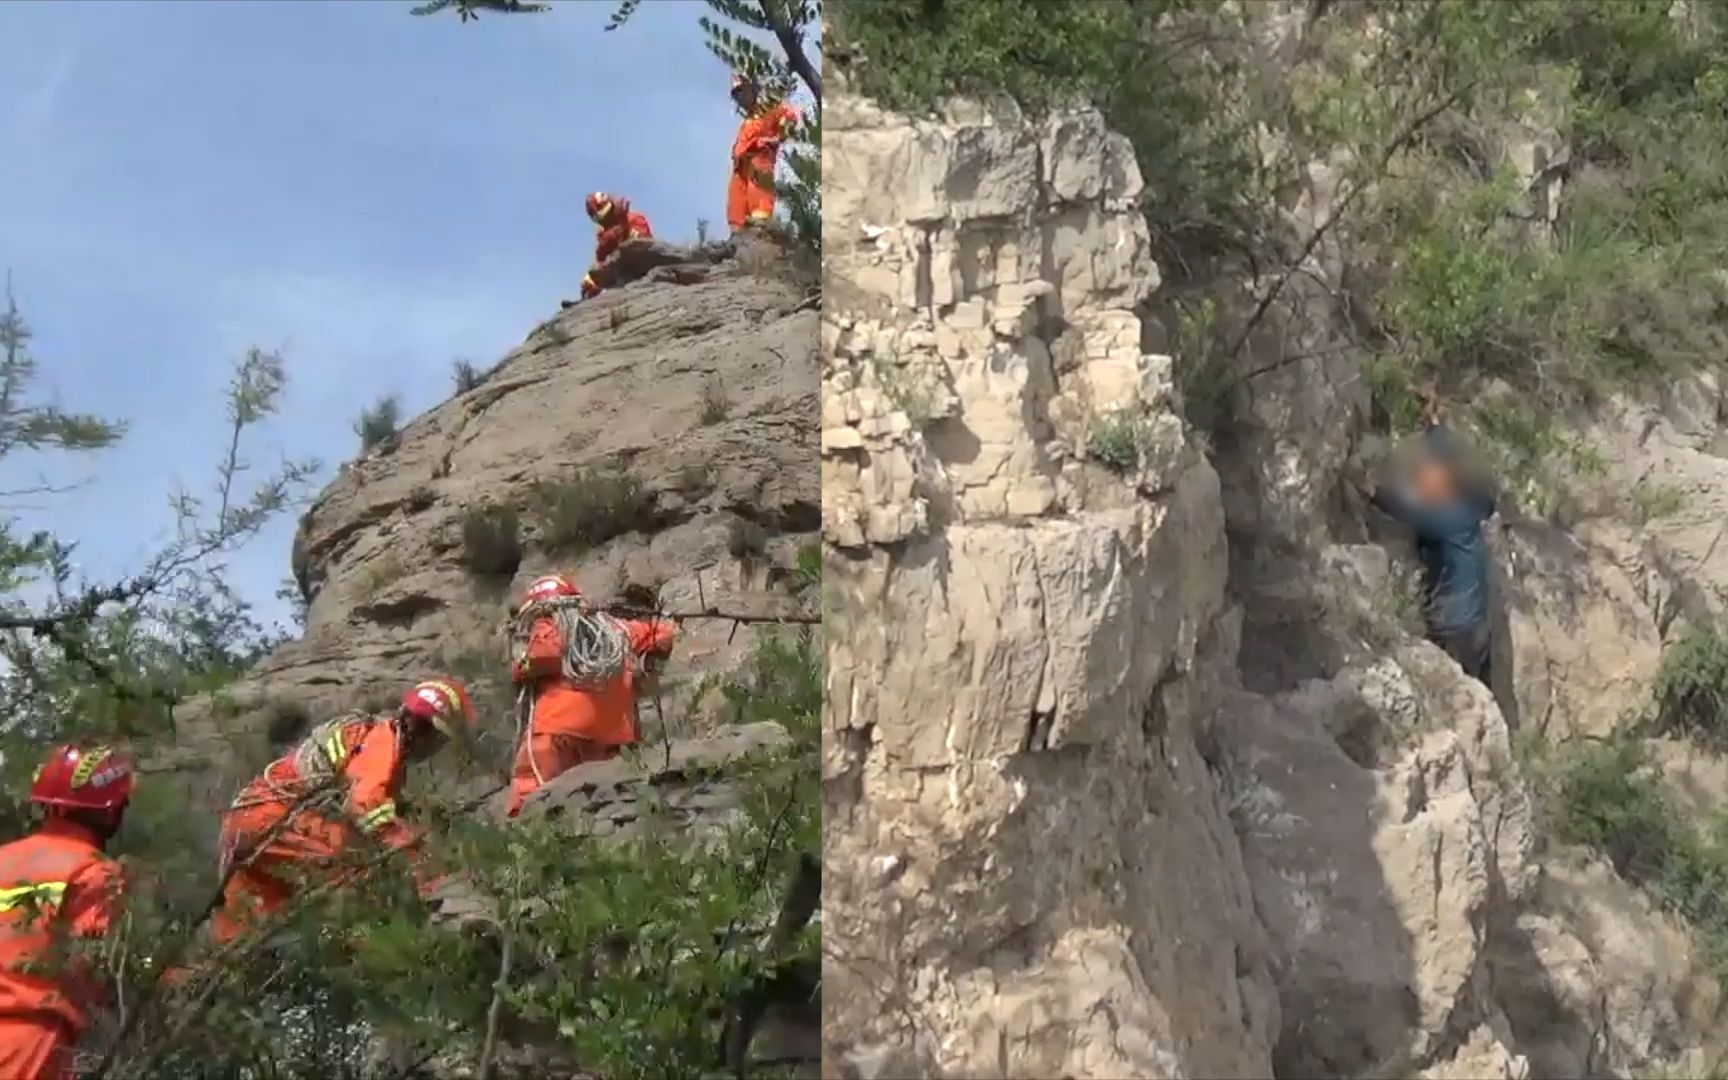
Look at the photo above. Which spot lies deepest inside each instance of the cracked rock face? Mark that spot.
(700, 385)
(1030, 867)
(1061, 837)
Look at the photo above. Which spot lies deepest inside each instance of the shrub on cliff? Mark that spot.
(1690, 695)
(624, 957)
(379, 422)
(587, 511)
(1606, 796)
(492, 540)
(1599, 273)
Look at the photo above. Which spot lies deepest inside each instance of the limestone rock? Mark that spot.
(704, 393)
(1030, 869)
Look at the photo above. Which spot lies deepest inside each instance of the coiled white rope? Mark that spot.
(595, 652)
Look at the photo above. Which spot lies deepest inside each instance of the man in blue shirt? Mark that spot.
(1447, 515)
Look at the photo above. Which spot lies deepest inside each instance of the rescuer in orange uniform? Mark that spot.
(337, 789)
(755, 152)
(54, 883)
(617, 223)
(579, 672)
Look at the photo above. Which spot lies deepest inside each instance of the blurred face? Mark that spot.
(1432, 482)
(745, 96)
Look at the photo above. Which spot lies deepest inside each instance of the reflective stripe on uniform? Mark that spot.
(382, 815)
(42, 894)
(336, 748)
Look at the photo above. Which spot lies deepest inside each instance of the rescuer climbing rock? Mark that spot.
(579, 672)
(337, 791)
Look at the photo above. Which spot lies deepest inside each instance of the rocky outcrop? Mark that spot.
(670, 420)
(1031, 870)
(1132, 767)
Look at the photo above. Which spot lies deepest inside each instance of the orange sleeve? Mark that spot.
(639, 227)
(609, 240)
(93, 898)
(373, 775)
(545, 657)
(651, 636)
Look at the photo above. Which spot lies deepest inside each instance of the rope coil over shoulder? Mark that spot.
(595, 651)
(595, 644)
(317, 760)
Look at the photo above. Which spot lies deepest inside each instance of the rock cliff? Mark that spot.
(656, 441)
(1128, 771)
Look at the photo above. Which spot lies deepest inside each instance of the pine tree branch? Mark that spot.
(791, 40)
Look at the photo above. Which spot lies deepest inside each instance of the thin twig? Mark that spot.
(713, 613)
(489, 1050)
(1403, 138)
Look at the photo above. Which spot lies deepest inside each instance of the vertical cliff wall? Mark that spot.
(1079, 821)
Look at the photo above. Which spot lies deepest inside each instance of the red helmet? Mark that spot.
(97, 778)
(549, 587)
(603, 208)
(443, 703)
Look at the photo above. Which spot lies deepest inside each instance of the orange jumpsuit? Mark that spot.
(54, 881)
(368, 756)
(572, 725)
(755, 152)
(632, 227)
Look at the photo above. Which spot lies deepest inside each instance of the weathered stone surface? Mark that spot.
(1047, 798)
(1030, 871)
(632, 379)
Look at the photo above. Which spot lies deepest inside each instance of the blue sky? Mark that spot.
(374, 193)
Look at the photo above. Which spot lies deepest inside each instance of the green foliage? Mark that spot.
(1657, 501)
(471, 9)
(807, 574)
(1606, 798)
(791, 24)
(1116, 441)
(1460, 272)
(575, 515)
(379, 423)
(109, 662)
(30, 424)
(1163, 74)
(377, 575)
(1690, 694)
(1041, 55)
(624, 952)
(492, 540)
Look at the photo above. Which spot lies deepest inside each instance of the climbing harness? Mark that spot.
(596, 649)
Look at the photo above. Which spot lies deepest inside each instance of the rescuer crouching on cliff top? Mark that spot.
(1444, 503)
